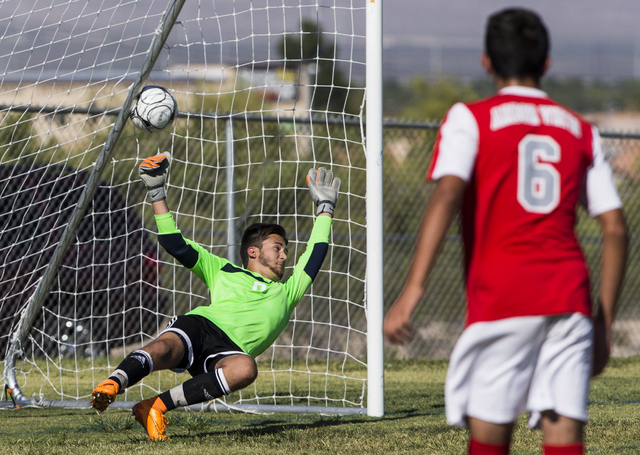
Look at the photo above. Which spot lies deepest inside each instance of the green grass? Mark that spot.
(414, 423)
(74, 379)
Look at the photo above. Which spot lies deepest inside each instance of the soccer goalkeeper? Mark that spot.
(249, 306)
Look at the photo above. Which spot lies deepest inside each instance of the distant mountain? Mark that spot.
(590, 38)
(605, 61)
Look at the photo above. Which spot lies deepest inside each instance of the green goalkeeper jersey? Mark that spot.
(249, 308)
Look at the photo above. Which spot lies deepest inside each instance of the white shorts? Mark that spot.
(499, 369)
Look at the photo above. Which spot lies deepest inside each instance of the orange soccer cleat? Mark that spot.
(104, 394)
(152, 419)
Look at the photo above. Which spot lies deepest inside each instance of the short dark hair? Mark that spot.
(257, 233)
(517, 43)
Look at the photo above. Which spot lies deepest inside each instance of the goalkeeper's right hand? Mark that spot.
(324, 190)
(153, 171)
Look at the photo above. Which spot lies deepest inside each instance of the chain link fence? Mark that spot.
(283, 149)
(440, 318)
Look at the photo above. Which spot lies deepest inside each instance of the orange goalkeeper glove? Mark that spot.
(154, 171)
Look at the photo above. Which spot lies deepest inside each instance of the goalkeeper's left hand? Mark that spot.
(324, 189)
(154, 171)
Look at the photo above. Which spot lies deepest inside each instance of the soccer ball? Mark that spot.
(155, 109)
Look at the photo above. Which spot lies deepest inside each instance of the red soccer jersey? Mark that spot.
(527, 161)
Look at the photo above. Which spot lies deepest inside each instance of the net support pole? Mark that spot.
(33, 305)
(375, 286)
(231, 201)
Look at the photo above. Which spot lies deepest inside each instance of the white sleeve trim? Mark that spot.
(458, 146)
(601, 192)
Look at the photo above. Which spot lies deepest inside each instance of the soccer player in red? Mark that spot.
(517, 165)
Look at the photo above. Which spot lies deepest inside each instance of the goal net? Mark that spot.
(266, 90)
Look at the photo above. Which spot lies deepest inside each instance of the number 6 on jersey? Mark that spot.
(538, 180)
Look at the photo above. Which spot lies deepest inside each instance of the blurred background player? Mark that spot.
(517, 165)
(249, 308)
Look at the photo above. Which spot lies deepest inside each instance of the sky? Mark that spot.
(589, 38)
(592, 39)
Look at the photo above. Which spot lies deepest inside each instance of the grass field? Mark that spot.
(414, 423)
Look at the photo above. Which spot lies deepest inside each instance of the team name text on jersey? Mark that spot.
(515, 113)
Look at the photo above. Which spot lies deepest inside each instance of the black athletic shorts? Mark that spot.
(205, 344)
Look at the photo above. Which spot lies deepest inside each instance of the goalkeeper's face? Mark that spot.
(272, 258)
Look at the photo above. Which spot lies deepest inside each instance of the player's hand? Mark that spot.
(397, 325)
(601, 344)
(154, 171)
(324, 190)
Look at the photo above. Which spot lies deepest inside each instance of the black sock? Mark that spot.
(132, 369)
(199, 389)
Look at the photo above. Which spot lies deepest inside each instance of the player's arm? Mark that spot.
(153, 171)
(455, 154)
(614, 256)
(438, 215)
(323, 188)
(603, 203)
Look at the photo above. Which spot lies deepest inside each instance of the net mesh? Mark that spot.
(266, 90)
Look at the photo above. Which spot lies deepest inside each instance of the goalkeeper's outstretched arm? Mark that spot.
(154, 172)
(323, 188)
(160, 207)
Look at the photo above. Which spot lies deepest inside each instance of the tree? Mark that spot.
(426, 100)
(309, 51)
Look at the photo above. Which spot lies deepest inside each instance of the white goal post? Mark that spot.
(266, 89)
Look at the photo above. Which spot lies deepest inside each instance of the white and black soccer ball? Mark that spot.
(155, 109)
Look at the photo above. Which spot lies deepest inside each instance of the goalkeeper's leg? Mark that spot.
(231, 373)
(164, 352)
